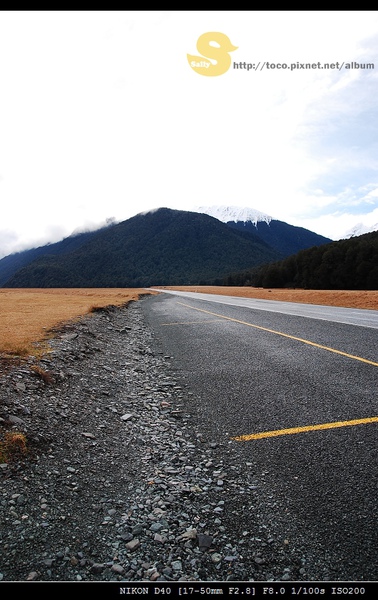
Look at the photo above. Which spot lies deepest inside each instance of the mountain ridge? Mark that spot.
(163, 246)
(157, 247)
(283, 237)
(229, 213)
(360, 229)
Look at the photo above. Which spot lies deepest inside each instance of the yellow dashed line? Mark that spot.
(267, 434)
(292, 337)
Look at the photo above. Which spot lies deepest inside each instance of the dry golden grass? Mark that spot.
(12, 446)
(29, 315)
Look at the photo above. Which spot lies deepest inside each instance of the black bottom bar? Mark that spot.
(162, 589)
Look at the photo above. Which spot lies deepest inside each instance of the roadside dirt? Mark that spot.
(345, 298)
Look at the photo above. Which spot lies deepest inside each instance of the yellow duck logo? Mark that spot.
(219, 53)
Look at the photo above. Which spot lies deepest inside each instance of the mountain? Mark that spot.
(229, 214)
(360, 229)
(284, 238)
(160, 247)
(9, 265)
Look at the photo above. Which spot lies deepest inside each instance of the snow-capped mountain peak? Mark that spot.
(361, 229)
(234, 213)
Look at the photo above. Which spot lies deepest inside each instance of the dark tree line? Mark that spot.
(350, 264)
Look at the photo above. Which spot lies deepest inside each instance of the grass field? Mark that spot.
(29, 315)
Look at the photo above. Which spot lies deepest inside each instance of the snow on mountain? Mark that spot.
(234, 213)
(360, 229)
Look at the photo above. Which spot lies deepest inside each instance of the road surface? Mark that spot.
(289, 392)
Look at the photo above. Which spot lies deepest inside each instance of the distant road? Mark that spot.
(349, 316)
(289, 393)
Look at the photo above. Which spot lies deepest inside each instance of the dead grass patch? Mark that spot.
(12, 446)
(42, 374)
(28, 316)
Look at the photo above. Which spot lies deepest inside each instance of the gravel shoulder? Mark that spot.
(117, 484)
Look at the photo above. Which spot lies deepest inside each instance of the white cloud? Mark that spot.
(101, 115)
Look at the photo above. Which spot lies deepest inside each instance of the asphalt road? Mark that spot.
(293, 398)
(351, 316)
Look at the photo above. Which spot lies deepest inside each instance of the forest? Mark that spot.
(349, 264)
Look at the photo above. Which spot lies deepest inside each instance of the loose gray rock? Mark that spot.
(116, 484)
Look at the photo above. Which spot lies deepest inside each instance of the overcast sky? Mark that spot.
(102, 117)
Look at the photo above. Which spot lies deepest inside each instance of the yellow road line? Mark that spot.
(292, 337)
(267, 434)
